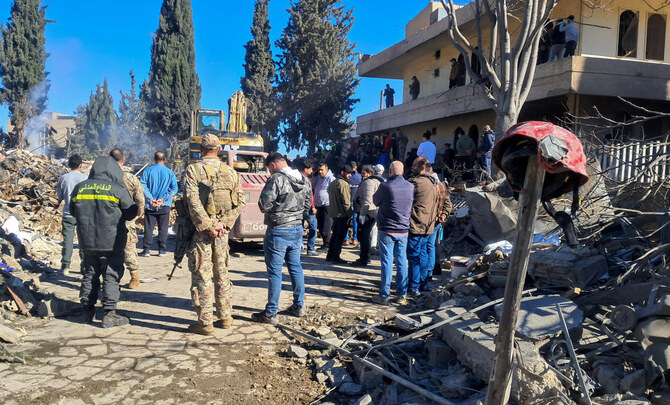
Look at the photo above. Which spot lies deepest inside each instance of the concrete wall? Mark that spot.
(421, 20)
(603, 40)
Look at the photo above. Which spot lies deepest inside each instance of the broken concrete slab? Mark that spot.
(8, 335)
(609, 376)
(565, 267)
(367, 377)
(336, 372)
(364, 400)
(538, 318)
(350, 388)
(439, 353)
(634, 383)
(493, 217)
(297, 352)
(475, 348)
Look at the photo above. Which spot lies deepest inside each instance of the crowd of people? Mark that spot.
(378, 205)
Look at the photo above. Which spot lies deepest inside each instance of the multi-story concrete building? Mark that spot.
(623, 51)
(49, 133)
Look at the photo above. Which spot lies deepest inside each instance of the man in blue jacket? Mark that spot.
(394, 201)
(160, 185)
(102, 206)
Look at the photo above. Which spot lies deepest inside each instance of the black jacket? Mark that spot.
(102, 206)
(284, 198)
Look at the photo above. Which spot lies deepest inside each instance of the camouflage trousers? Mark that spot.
(130, 252)
(209, 259)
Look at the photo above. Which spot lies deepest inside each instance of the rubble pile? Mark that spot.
(28, 191)
(30, 231)
(612, 293)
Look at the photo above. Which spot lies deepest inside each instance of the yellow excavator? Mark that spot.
(241, 150)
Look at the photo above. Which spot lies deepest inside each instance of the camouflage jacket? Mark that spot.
(225, 202)
(284, 198)
(134, 188)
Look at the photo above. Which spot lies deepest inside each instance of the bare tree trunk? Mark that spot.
(503, 123)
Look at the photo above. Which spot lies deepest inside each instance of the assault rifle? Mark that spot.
(185, 228)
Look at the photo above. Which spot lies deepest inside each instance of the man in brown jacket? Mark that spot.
(442, 212)
(339, 194)
(421, 225)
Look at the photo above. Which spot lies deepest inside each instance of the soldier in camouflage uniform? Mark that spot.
(212, 219)
(136, 192)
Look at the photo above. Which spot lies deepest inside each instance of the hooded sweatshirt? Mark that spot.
(102, 206)
(284, 198)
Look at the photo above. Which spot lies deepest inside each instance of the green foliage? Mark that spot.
(22, 62)
(173, 90)
(317, 74)
(259, 71)
(97, 123)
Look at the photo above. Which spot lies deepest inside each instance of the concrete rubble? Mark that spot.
(619, 276)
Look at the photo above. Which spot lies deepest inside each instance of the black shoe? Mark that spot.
(340, 261)
(359, 263)
(413, 294)
(296, 310)
(425, 288)
(145, 253)
(112, 319)
(89, 314)
(312, 253)
(262, 317)
(429, 279)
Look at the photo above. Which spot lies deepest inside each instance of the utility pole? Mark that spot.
(500, 383)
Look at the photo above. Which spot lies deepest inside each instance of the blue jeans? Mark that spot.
(392, 248)
(432, 249)
(311, 233)
(282, 244)
(417, 253)
(354, 228)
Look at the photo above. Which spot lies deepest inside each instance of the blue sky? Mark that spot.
(94, 40)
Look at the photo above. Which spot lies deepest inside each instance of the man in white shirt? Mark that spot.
(427, 149)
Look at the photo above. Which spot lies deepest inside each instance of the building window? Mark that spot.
(628, 24)
(436, 73)
(656, 37)
(437, 54)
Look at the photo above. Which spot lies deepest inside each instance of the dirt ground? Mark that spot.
(153, 360)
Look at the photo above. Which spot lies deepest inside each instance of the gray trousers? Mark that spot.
(68, 227)
(109, 266)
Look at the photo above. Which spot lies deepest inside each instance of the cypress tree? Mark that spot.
(22, 62)
(258, 74)
(317, 74)
(100, 124)
(173, 90)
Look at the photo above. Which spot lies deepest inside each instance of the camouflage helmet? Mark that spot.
(210, 141)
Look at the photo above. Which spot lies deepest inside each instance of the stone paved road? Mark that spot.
(154, 361)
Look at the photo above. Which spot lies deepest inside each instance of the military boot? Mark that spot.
(112, 319)
(224, 323)
(201, 329)
(134, 280)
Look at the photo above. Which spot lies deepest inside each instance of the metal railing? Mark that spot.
(641, 161)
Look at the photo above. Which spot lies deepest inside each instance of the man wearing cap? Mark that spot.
(339, 194)
(212, 218)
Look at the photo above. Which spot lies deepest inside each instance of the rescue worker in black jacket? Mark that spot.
(102, 205)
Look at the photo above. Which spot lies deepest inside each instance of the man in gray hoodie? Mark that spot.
(284, 198)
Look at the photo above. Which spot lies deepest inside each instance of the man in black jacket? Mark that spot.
(284, 198)
(102, 206)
